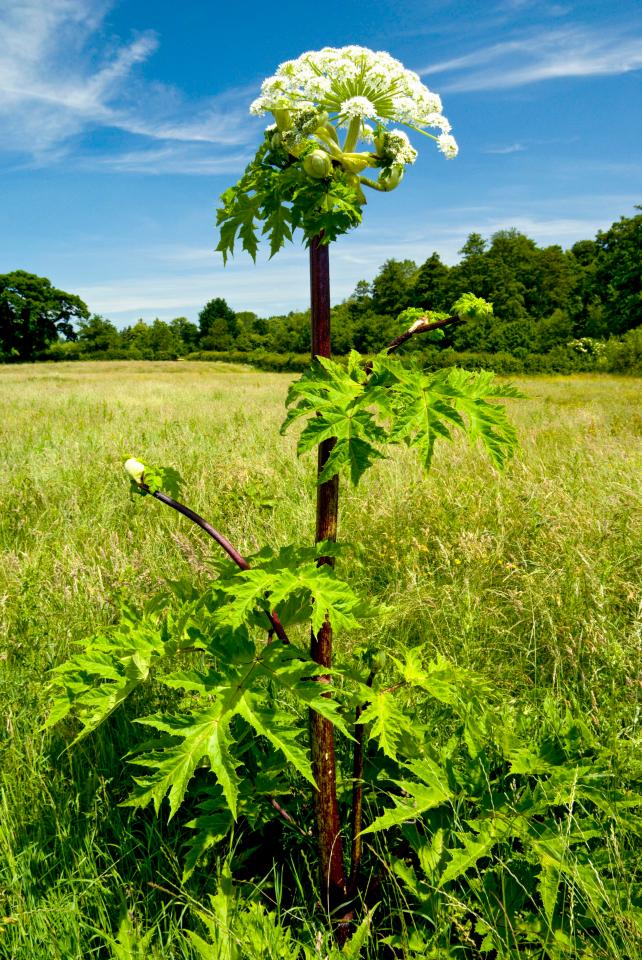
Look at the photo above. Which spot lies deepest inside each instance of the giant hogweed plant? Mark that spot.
(488, 835)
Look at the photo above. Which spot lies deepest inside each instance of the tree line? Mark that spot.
(548, 303)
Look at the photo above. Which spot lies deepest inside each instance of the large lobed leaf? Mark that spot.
(266, 588)
(396, 403)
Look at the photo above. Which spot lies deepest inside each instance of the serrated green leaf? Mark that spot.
(278, 727)
(419, 408)
(465, 857)
(297, 673)
(203, 735)
(92, 684)
(548, 883)
(388, 721)
(267, 587)
(430, 854)
(430, 790)
(352, 456)
(210, 827)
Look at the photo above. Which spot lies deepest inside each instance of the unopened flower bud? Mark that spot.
(283, 119)
(135, 469)
(391, 177)
(317, 165)
(354, 162)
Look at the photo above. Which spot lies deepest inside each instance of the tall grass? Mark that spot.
(532, 578)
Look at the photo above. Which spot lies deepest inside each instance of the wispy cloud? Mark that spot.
(510, 148)
(549, 9)
(61, 78)
(544, 55)
(167, 159)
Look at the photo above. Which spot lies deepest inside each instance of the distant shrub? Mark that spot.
(65, 350)
(275, 362)
(623, 354)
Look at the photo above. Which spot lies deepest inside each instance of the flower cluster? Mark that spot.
(394, 147)
(351, 85)
(588, 345)
(336, 115)
(447, 145)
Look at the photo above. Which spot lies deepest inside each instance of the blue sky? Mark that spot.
(122, 122)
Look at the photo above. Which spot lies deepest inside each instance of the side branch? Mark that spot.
(420, 326)
(423, 326)
(222, 541)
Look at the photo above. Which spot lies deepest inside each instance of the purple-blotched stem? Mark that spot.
(333, 876)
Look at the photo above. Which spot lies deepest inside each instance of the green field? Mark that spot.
(531, 577)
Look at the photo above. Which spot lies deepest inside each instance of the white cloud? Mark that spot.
(547, 55)
(60, 78)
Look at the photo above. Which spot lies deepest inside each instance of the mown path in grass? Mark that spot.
(531, 577)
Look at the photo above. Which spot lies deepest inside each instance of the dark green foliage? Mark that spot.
(217, 325)
(33, 314)
(287, 362)
(543, 299)
(618, 274)
(273, 192)
(97, 335)
(430, 290)
(156, 341)
(188, 333)
(393, 287)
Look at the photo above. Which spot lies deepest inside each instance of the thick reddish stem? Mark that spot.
(321, 730)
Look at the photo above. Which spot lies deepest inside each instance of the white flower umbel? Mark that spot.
(353, 84)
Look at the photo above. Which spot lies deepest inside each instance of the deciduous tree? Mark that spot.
(34, 314)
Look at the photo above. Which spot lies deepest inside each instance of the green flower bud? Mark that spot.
(283, 119)
(355, 162)
(317, 165)
(391, 177)
(276, 140)
(135, 469)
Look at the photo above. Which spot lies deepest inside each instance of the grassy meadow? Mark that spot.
(531, 577)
